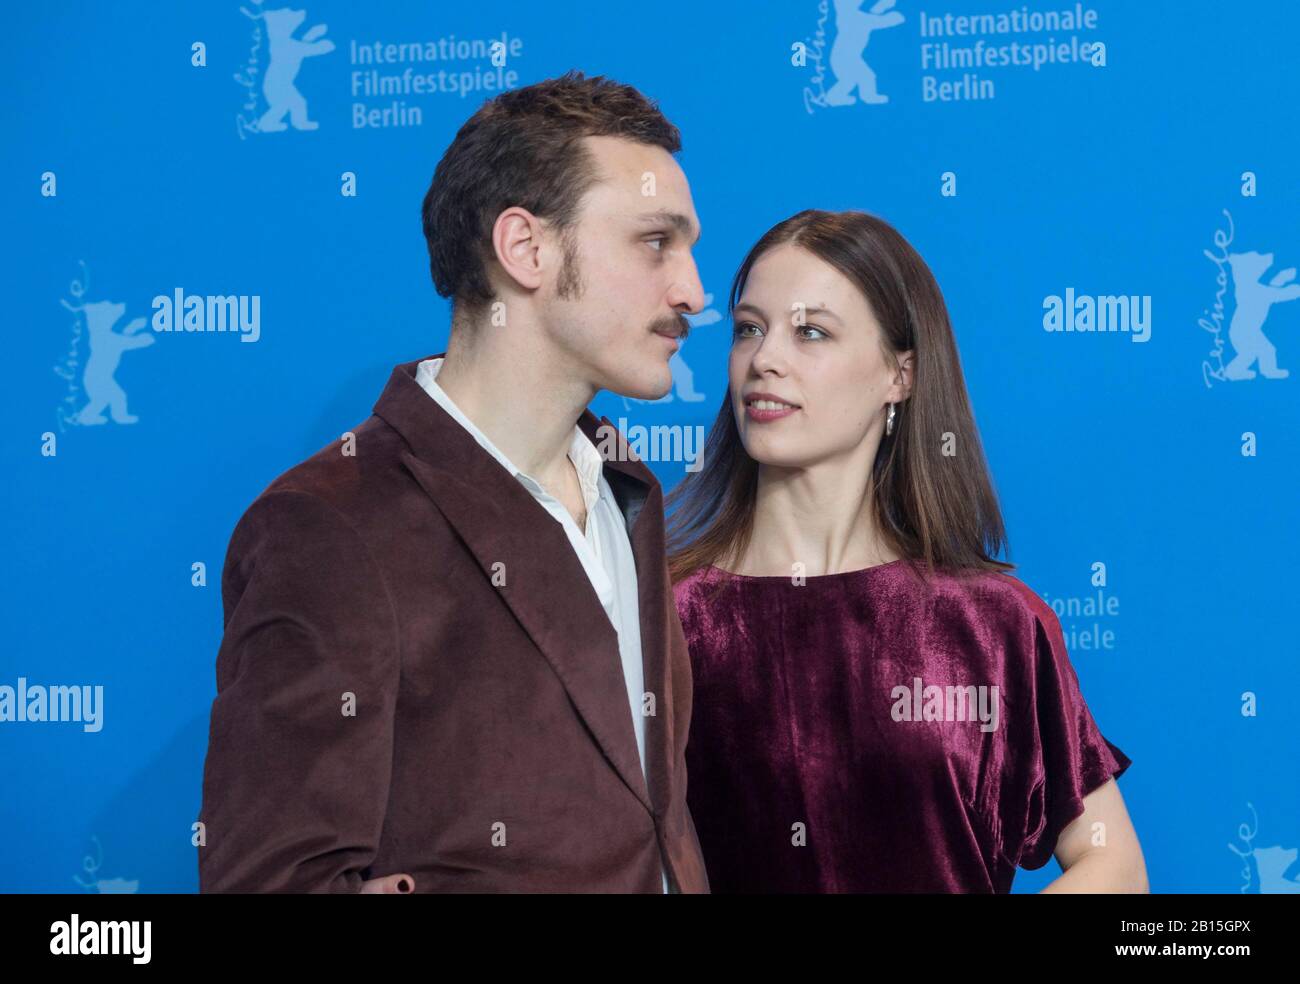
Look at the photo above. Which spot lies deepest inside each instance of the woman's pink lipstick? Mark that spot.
(760, 416)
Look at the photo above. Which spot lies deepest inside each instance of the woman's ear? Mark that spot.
(903, 378)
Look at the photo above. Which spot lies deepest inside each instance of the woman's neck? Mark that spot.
(820, 517)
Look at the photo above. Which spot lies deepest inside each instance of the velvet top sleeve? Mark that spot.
(1060, 753)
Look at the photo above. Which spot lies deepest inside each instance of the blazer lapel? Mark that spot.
(545, 585)
(640, 498)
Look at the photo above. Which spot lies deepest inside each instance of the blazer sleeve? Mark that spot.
(300, 745)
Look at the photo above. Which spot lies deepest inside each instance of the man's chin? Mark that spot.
(643, 388)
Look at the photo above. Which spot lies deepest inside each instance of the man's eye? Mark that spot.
(660, 241)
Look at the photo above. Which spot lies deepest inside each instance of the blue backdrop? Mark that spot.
(1057, 166)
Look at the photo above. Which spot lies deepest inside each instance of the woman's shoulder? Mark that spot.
(1012, 593)
(699, 606)
(992, 596)
(1028, 603)
(692, 580)
(693, 586)
(998, 621)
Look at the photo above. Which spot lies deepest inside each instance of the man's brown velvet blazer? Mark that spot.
(417, 676)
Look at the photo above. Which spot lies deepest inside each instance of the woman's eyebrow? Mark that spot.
(815, 309)
(821, 309)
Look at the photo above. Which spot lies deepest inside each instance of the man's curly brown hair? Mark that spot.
(523, 148)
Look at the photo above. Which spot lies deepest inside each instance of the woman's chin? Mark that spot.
(775, 454)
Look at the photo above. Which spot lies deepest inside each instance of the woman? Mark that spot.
(878, 705)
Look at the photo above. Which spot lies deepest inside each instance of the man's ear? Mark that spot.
(517, 244)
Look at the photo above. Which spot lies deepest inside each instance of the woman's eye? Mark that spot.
(740, 330)
(820, 334)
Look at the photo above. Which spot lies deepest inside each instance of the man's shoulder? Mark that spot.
(355, 476)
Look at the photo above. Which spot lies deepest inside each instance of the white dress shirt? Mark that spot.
(603, 547)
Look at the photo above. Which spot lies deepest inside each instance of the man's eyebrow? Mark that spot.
(665, 216)
(811, 309)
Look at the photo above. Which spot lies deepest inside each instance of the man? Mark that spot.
(451, 659)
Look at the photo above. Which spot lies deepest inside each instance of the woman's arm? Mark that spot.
(1117, 864)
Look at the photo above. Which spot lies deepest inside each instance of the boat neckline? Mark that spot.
(809, 577)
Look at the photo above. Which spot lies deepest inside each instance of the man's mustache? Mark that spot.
(677, 325)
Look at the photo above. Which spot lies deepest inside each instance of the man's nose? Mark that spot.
(688, 292)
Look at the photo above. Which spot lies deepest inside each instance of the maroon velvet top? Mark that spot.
(809, 772)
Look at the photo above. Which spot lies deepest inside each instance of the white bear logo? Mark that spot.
(287, 53)
(1254, 299)
(853, 28)
(106, 348)
(1273, 864)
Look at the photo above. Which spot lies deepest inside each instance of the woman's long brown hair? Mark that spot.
(930, 488)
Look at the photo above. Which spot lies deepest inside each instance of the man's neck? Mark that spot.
(524, 405)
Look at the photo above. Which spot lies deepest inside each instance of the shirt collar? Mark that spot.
(586, 459)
